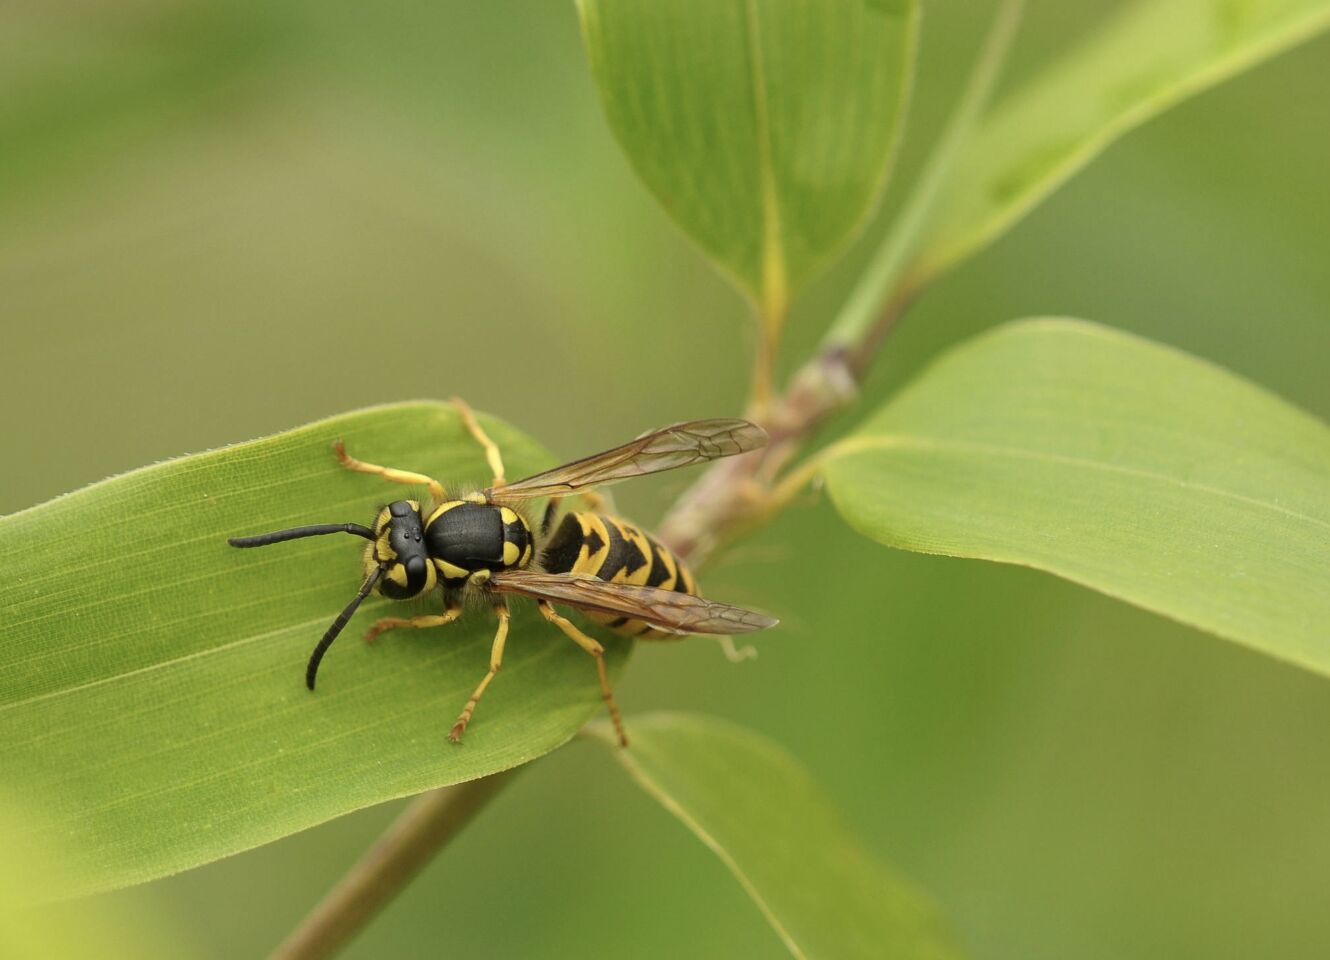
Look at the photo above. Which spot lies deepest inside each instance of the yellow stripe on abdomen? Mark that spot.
(613, 549)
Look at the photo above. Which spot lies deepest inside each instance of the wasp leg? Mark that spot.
(451, 612)
(389, 473)
(736, 654)
(496, 661)
(597, 651)
(492, 455)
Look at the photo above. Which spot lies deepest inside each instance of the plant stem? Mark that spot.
(882, 278)
(428, 824)
(771, 322)
(763, 382)
(735, 494)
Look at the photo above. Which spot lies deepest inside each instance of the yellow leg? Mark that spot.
(389, 473)
(736, 654)
(426, 620)
(597, 651)
(496, 661)
(492, 455)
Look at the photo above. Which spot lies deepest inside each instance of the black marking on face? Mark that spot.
(406, 537)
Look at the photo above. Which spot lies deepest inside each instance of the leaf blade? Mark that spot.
(761, 813)
(1149, 56)
(152, 696)
(1122, 465)
(764, 127)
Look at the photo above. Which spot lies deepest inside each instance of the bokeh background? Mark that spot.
(214, 216)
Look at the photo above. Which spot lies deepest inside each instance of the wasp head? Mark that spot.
(399, 547)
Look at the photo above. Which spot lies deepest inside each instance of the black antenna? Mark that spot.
(295, 533)
(314, 658)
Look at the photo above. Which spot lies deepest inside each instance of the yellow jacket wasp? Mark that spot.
(614, 572)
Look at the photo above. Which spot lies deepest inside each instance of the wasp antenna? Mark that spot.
(296, 533)
(316, 657)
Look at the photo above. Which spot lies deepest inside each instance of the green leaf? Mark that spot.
(774, 829)
(152, 696)
(1149, 56)
(93, 928)
(1120, 464)
(764, 127)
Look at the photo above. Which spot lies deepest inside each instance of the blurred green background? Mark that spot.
(213, 218)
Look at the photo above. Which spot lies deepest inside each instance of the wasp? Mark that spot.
(482, 544)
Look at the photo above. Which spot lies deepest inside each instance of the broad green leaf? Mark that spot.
(68, 931)
(1120, 464)
(774, 829)
(1149, 56)
(764, 127)
(152, 696)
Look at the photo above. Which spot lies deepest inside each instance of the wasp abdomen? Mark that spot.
(614, 550)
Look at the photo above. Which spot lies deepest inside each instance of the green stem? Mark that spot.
(882, 280)
(425, 827)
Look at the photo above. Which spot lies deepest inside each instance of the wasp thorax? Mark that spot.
(465, 537)
(399, 544)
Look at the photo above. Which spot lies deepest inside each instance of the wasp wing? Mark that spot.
(680, 445)
(663, 609)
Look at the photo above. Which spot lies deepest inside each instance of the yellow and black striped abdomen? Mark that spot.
(615, 550)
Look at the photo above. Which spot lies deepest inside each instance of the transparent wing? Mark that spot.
(664, 609)
(680, 445)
